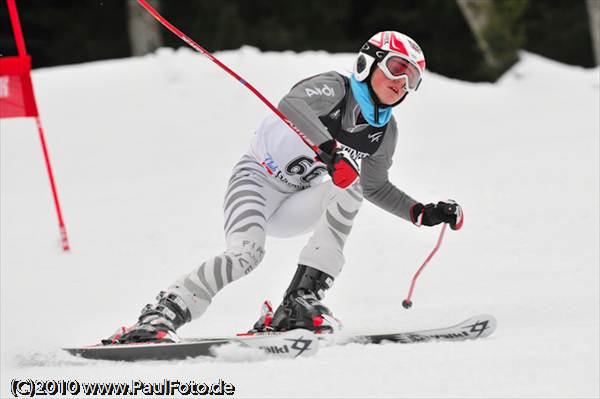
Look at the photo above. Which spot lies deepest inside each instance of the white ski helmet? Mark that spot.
(396, 54)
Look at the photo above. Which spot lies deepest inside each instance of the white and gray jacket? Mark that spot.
(323, 107)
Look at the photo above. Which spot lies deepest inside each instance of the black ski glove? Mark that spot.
(442, 212)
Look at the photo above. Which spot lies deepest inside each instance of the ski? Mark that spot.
(289, 344)
(475, 327)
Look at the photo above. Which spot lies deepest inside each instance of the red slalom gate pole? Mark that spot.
(203, 51)
(407, 303)
(61, 223)
(33, 112)
(16, 24)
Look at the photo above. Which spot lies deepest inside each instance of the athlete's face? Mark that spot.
(389, 91)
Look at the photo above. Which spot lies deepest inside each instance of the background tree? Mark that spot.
(68, 31)
(495, 27)
(145, 33)
(72, 31)
(560, 30)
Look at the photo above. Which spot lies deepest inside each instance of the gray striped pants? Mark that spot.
(257, 204)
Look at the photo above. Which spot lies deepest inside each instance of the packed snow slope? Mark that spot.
(142, 149)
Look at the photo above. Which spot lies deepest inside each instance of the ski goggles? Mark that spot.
(396, 67)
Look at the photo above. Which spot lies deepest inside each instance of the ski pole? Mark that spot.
(324, 156)
(407, 303)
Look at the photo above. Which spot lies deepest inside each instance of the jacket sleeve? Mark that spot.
(374, 178)
(311, 98)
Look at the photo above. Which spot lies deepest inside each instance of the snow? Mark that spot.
(142, 149)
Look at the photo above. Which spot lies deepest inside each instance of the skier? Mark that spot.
(280, 188)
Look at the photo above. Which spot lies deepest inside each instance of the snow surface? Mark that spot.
(142, 149)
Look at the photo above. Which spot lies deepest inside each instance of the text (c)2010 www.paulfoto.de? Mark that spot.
(33, 388)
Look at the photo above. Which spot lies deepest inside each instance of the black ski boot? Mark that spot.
(157, 323)
(301, 306)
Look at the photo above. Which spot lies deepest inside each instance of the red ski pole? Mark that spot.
(407, 303)
(203, 51)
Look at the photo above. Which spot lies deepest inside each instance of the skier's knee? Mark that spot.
(246, 255)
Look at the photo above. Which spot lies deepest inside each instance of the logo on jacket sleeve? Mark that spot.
(320, 91)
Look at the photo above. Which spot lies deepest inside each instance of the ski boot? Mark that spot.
(157, 323)
(301, 306)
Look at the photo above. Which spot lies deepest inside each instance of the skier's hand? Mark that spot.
(344, 170)
(442, 212)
